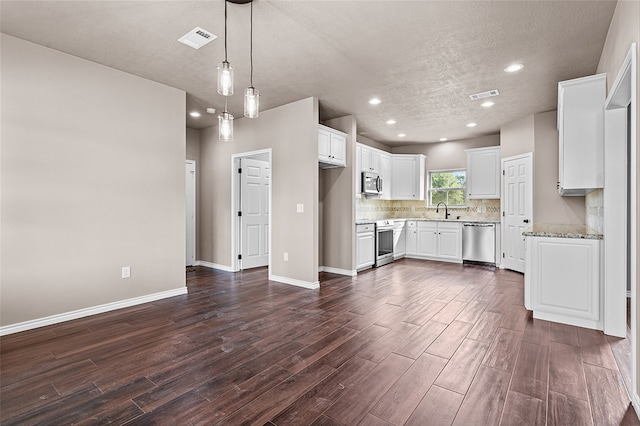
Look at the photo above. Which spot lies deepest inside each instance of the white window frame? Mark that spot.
(464, 188)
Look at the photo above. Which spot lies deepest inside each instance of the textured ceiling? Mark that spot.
(421, 58)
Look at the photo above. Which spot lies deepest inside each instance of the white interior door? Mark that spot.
(517, 208)
(254, 220)
(190, 212)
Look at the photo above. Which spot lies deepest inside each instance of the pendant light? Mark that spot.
(225, 69)
(225, 125)
(251, 94)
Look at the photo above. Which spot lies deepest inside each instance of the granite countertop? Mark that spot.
(562, 231)
(367, 221)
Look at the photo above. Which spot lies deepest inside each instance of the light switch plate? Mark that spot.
(300, 208)
(286, 256)
(126, 272)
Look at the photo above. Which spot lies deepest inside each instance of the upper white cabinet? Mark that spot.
(332, 147)
(483, 173)
(385, 174)
(581, 134)
(370, 159)
(407, 177)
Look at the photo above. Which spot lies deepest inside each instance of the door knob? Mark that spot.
(526, 220)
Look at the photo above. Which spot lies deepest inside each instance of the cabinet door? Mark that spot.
(385, 174)
(403, 178)
(427, 239)
(412, 240)
(483, 173)
(450, 243)
(338, 149)
(366, 248)
(324, 146)
(399, 242)
(367, 159)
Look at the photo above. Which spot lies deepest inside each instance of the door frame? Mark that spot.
(503, 233)
(236, 236)
(195, 212)
(618, 142)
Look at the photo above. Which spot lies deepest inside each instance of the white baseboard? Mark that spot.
(292, 281)
(338, 271)
(80, 313)
(214, 266)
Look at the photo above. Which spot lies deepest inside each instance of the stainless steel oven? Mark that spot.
(384, 242)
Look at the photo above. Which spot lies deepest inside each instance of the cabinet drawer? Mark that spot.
(424, 224)
(448, 225)
(412, 223)
(369, 227)
(398, 225)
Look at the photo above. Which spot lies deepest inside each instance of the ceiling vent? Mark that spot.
(197, 38)
(486, 94)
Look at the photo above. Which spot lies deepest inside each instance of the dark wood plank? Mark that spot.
(461, 369)
(566, 374)
(565, 410)
(371, 420)
(503, 352)
(523, 410)
(471, 313)
(484, 402)
(531, 373)
(447, 343)
(595, 349)
(607, 397)
(404, 396)
(355, 404)
(425, 312)
(379, 349)
(565, 334)
(421, 340)
(438, 408)
(537, 332)
(486, 327)
(450, 312)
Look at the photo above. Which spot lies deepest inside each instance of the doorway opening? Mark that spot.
(251, 218)
(190, 213)
(620, 213)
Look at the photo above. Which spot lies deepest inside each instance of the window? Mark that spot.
(447, 186)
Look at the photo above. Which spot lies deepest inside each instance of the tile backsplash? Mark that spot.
(594, 204)
(373, 209)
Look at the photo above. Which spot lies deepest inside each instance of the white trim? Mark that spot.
(85, 312)
(293, 281)
(225, 268)
(434, 258)
(338, 271)
(235, 203)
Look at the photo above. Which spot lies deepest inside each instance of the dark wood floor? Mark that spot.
(411, 343)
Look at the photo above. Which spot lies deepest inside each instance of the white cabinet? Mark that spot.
(437, 241)
(581, 134)
(332, 147)
(483, 173)
(370, 159)
(562, 280)
(385, 174)
(399, 239)
(365, 246)
(407, 177)
(412, 238)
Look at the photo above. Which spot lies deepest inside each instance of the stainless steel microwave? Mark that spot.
(371, 183)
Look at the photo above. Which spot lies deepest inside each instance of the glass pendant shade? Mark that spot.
(225, 79)
(251, 102)
(225, 127)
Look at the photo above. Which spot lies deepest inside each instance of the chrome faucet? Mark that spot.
(446, 210)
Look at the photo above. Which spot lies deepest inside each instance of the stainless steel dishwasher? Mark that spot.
(479, 242)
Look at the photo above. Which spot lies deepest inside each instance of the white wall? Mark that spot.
(92, 179)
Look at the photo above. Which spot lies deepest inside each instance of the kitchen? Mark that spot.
(321, 235)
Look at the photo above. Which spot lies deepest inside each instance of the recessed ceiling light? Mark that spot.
(487, 104)
(443, 139)
(211, 110)
(194, 114)
(401, 135)
(374, 101)
(471, 124)
(392, 121)
(514, 68)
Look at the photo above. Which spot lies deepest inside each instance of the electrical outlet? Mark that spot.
(126, 272)
(286, 256)
(300, 208)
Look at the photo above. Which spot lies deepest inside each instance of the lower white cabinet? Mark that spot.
(365, 246)
(435, 240)
(399, 239)
(562, 280)
(411, 248)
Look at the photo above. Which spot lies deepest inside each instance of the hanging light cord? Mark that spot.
(251, 45)
(225, 30)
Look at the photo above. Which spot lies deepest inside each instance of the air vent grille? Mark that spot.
(487, 94)
(197, 38)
